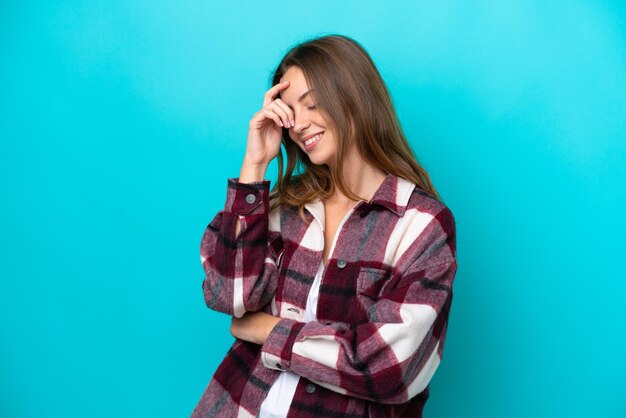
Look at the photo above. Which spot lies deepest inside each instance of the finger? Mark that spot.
(269, 114)
(276, 108)
(286, 108)
(269, 95)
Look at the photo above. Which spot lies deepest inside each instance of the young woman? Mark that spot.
(339, 281)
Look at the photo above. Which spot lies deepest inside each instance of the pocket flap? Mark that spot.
(370, 281)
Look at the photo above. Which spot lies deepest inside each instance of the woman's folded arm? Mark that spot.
(391, 357)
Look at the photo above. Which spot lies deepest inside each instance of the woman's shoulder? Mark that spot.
(435, 220)
(423, 202)
(420, 199)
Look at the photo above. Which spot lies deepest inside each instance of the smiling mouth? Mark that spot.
(313, 140)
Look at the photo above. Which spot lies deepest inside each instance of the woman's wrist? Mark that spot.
(252, 172)
(270, 324)
(254, 327)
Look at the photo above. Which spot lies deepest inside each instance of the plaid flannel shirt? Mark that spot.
(383, 307)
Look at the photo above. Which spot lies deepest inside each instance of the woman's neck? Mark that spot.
(361, 178)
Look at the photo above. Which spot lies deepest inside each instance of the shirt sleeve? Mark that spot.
(240, 270)
(391, 357)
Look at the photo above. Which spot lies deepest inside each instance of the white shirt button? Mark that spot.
(250, 198)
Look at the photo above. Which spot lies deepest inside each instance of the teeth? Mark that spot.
(314, 139)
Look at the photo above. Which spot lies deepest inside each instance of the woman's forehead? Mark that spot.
(296, 79)
(297, 90)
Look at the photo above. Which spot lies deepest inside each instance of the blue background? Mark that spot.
(120, 122)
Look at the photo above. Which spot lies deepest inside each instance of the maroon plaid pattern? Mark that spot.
(383, 307)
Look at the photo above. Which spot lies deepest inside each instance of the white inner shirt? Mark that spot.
(278, 400)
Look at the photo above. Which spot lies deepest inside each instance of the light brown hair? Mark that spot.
(354, 100)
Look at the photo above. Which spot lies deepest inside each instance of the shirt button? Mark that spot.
(341, 263)
(279, 366)
(310, 388)
(250, 198)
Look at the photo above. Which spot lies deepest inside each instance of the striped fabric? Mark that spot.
(383, 307)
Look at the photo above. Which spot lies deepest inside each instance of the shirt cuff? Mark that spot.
(276, 350)
(247, 198)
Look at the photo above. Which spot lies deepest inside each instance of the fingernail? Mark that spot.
(292, 122)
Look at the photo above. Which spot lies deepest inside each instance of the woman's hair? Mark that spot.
(354, 100)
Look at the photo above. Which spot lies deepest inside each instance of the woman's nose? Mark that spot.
(300, 124)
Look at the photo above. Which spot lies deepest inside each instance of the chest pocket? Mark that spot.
(370, 281)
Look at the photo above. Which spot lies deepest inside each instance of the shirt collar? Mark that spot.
(393, 193)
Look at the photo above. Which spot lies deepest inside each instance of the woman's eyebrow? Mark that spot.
(304, 95)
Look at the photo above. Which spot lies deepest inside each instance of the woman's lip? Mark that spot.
(309, 147)
(306, 138)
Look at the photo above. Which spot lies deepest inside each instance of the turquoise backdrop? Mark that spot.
(120, 122)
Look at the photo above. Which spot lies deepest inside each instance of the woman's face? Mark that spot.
(309, 122)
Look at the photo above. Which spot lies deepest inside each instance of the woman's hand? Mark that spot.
(266, 126)
(254, 327)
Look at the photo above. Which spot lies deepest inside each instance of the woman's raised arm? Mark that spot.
(240, 247)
